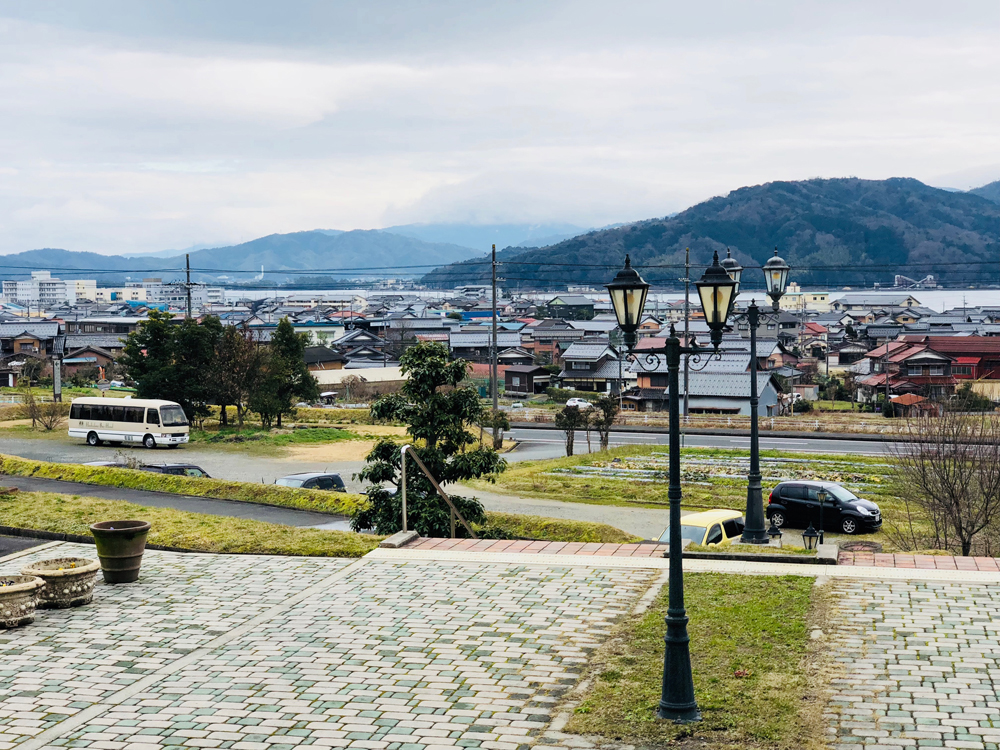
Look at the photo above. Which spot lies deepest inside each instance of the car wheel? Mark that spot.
(92, 439)
(777, 518)
(149, 441)
(849, 525)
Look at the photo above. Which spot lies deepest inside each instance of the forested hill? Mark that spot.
(843, 232)
(990, 192)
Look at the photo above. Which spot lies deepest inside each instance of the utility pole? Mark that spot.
(493, 348)
(187, 285)
(687, 313)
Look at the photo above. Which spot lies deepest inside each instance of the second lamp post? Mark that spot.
(775, 281)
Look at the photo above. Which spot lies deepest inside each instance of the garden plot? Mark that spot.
(709, 470)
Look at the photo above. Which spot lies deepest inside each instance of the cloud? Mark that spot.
(133, 126)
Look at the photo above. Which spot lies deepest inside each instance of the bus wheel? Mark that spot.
(149, 442)
(92, 439)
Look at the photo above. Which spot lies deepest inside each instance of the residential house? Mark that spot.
(865, 301)
(476, 347)
(84, 358)
(323, 358)
(547, 339)
(525, 380)
(900, 367)
(593, 365)
(571, 307)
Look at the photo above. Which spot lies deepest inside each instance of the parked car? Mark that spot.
(797, 504)
(178, 470)
(312, 480)
(579, 403)
(517, 405)
(709, 527)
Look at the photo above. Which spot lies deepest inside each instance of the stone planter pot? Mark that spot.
(120, 545)
(18, 595)
(69, 581)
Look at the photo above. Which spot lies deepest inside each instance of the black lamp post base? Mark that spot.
(686, 714)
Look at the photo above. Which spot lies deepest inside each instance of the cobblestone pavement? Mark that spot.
(918, 662)
(272, 653)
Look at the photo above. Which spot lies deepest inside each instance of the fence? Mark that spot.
(827, 422)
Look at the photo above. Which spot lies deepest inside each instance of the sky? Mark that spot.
(131, 126)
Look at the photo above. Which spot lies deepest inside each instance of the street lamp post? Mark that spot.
(716, 290)
(775, 280)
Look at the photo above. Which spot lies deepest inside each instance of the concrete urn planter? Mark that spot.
(120, 545)
(18, 595)
(69, 581)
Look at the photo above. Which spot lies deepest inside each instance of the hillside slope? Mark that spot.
(990, 192)
(837, 231)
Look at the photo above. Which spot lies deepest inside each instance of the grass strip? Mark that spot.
(556, 529)
(66, 514)
(728, 548)
(755, 623)
(111, 476)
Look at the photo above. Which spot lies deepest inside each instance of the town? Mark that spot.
(499, 376)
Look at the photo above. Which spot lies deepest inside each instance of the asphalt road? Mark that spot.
(11, 544)
(543, 443)
(230, 508)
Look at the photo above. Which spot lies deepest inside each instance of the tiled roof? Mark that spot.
(42, 330)
(103, 340)
(504, 339)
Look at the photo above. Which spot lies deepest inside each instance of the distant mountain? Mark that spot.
(990, 192)
(832, 232)
(482, 236)
(317, 250)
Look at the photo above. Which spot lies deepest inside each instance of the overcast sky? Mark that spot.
(131, 126)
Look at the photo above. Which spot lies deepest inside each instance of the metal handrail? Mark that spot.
(454, 511)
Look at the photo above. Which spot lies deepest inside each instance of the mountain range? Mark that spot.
(831, 231)
(314, 251)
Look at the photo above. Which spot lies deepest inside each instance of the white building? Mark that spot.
(109, 294)
(42, 290)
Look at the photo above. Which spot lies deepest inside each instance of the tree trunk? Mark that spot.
(222, 416)
(569, 442)
(966, 547)
(497, 438)
(279, 420)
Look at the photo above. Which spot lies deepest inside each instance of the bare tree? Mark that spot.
(948, 467)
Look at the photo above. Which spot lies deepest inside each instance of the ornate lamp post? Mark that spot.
(716, 291)
(775, 280)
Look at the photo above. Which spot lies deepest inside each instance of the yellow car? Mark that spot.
(709, 527)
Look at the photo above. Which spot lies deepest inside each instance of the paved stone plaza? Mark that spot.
(920, 665)
(269, 652)
(406, 650)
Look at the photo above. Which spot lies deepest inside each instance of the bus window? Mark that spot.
(74, 411)
(173, 416)
(133, 414)
(152, 416)
(117, 413)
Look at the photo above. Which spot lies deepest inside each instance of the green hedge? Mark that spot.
(110, 476)
(562, 395)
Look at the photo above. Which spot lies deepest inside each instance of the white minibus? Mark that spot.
(151, 422)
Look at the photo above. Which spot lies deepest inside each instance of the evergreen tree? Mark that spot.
(173, 361)
(437, 411)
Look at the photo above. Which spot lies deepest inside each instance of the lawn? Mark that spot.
(755, 623)
(270, 438)
(67, 514)
(711, 478)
